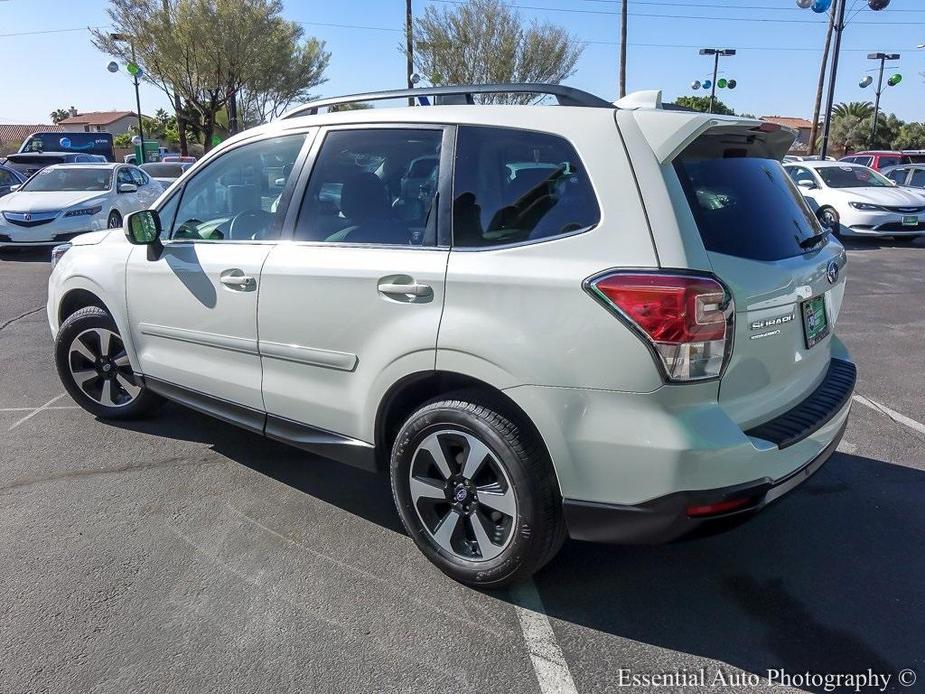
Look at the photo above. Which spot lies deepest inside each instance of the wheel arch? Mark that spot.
(77, 298)
(413, 390)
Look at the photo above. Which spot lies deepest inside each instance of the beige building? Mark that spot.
(801, 125)
(113, 122)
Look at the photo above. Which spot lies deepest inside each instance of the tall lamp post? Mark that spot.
(716, 53)
(135, 72)
(838, 8)
(882, 57)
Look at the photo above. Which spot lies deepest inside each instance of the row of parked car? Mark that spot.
(49, 197)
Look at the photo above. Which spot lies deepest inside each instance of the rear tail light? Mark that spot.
(688, 319)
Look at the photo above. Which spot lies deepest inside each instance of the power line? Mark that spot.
(772, 8)
(678, 16)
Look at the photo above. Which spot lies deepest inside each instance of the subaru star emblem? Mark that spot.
(831, 272)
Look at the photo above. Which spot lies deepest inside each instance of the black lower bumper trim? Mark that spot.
(665, 518)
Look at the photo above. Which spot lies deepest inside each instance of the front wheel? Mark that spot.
(94, 368)
(114, 221)
(830, 219)
(476, 492)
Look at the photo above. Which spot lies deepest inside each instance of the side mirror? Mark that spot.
(808, 185)
(128, 188)
(15, 187)
(143, 228)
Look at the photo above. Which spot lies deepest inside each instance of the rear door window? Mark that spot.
(889, 161)
(516, 186)
(745, 206)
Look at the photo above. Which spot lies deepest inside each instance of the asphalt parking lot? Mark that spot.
(180, 554)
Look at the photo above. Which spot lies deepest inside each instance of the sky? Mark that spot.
(48, 60)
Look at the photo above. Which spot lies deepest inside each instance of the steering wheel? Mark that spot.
(250, 225)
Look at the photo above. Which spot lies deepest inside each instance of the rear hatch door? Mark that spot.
(785, 275)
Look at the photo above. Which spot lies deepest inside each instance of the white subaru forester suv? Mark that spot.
(613, 322)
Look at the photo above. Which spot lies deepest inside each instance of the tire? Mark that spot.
(114, 221)
(95, 370)
(832, 214)
(524, 513)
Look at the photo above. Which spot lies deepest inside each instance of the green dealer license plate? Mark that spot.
(910, 221)
(815, 322)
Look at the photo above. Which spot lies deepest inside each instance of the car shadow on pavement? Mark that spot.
(827, 580)
(26, 255)
(356, 491)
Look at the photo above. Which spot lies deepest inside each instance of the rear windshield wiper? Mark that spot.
(811, 241)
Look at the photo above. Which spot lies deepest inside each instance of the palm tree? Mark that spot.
(857, 109)
(851, 125)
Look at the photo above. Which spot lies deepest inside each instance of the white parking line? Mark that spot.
(44, 409)
(548, 662)
(36, 411)
(892, 414)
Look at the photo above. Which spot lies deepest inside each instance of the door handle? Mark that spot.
(236, 279)
(414, 289)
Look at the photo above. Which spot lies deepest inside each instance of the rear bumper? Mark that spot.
(666, 518)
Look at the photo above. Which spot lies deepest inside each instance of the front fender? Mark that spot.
(99, 270)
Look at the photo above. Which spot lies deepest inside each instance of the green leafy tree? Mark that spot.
(204, 53)
(910, 136)
(702, 104)
(888, 129)
(487, 41)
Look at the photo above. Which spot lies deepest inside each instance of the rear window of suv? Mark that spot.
(746, 206)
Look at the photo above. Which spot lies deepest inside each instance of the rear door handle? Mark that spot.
(236, 279)
(410, 289)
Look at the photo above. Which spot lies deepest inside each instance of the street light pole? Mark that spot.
(882, 57)
(409, 47)
(141, 131)
(122, 38)
(716, 53)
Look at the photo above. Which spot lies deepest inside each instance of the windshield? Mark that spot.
(83, 143)
(746, 206)
(67, 179)
(852, 177)
(163, 170)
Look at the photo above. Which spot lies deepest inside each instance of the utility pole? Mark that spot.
(882, 57)
(820, 85)
(409, 47)
(122, 38)
(623, 16)
(716, 53)
(838, 26)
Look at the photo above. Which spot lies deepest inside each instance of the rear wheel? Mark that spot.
(94, 367)
(830, 219)
(114, 221)
(476, 492)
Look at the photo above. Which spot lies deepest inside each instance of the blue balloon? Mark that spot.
(707, 84)
(821, 6)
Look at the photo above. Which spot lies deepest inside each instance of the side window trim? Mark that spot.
(307, 133)
(444, 183)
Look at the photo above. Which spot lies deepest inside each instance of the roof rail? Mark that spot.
(459, 94)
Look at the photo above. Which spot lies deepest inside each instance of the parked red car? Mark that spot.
(877, 160)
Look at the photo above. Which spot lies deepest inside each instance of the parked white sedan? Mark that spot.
(62, 201)
(854, 200)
